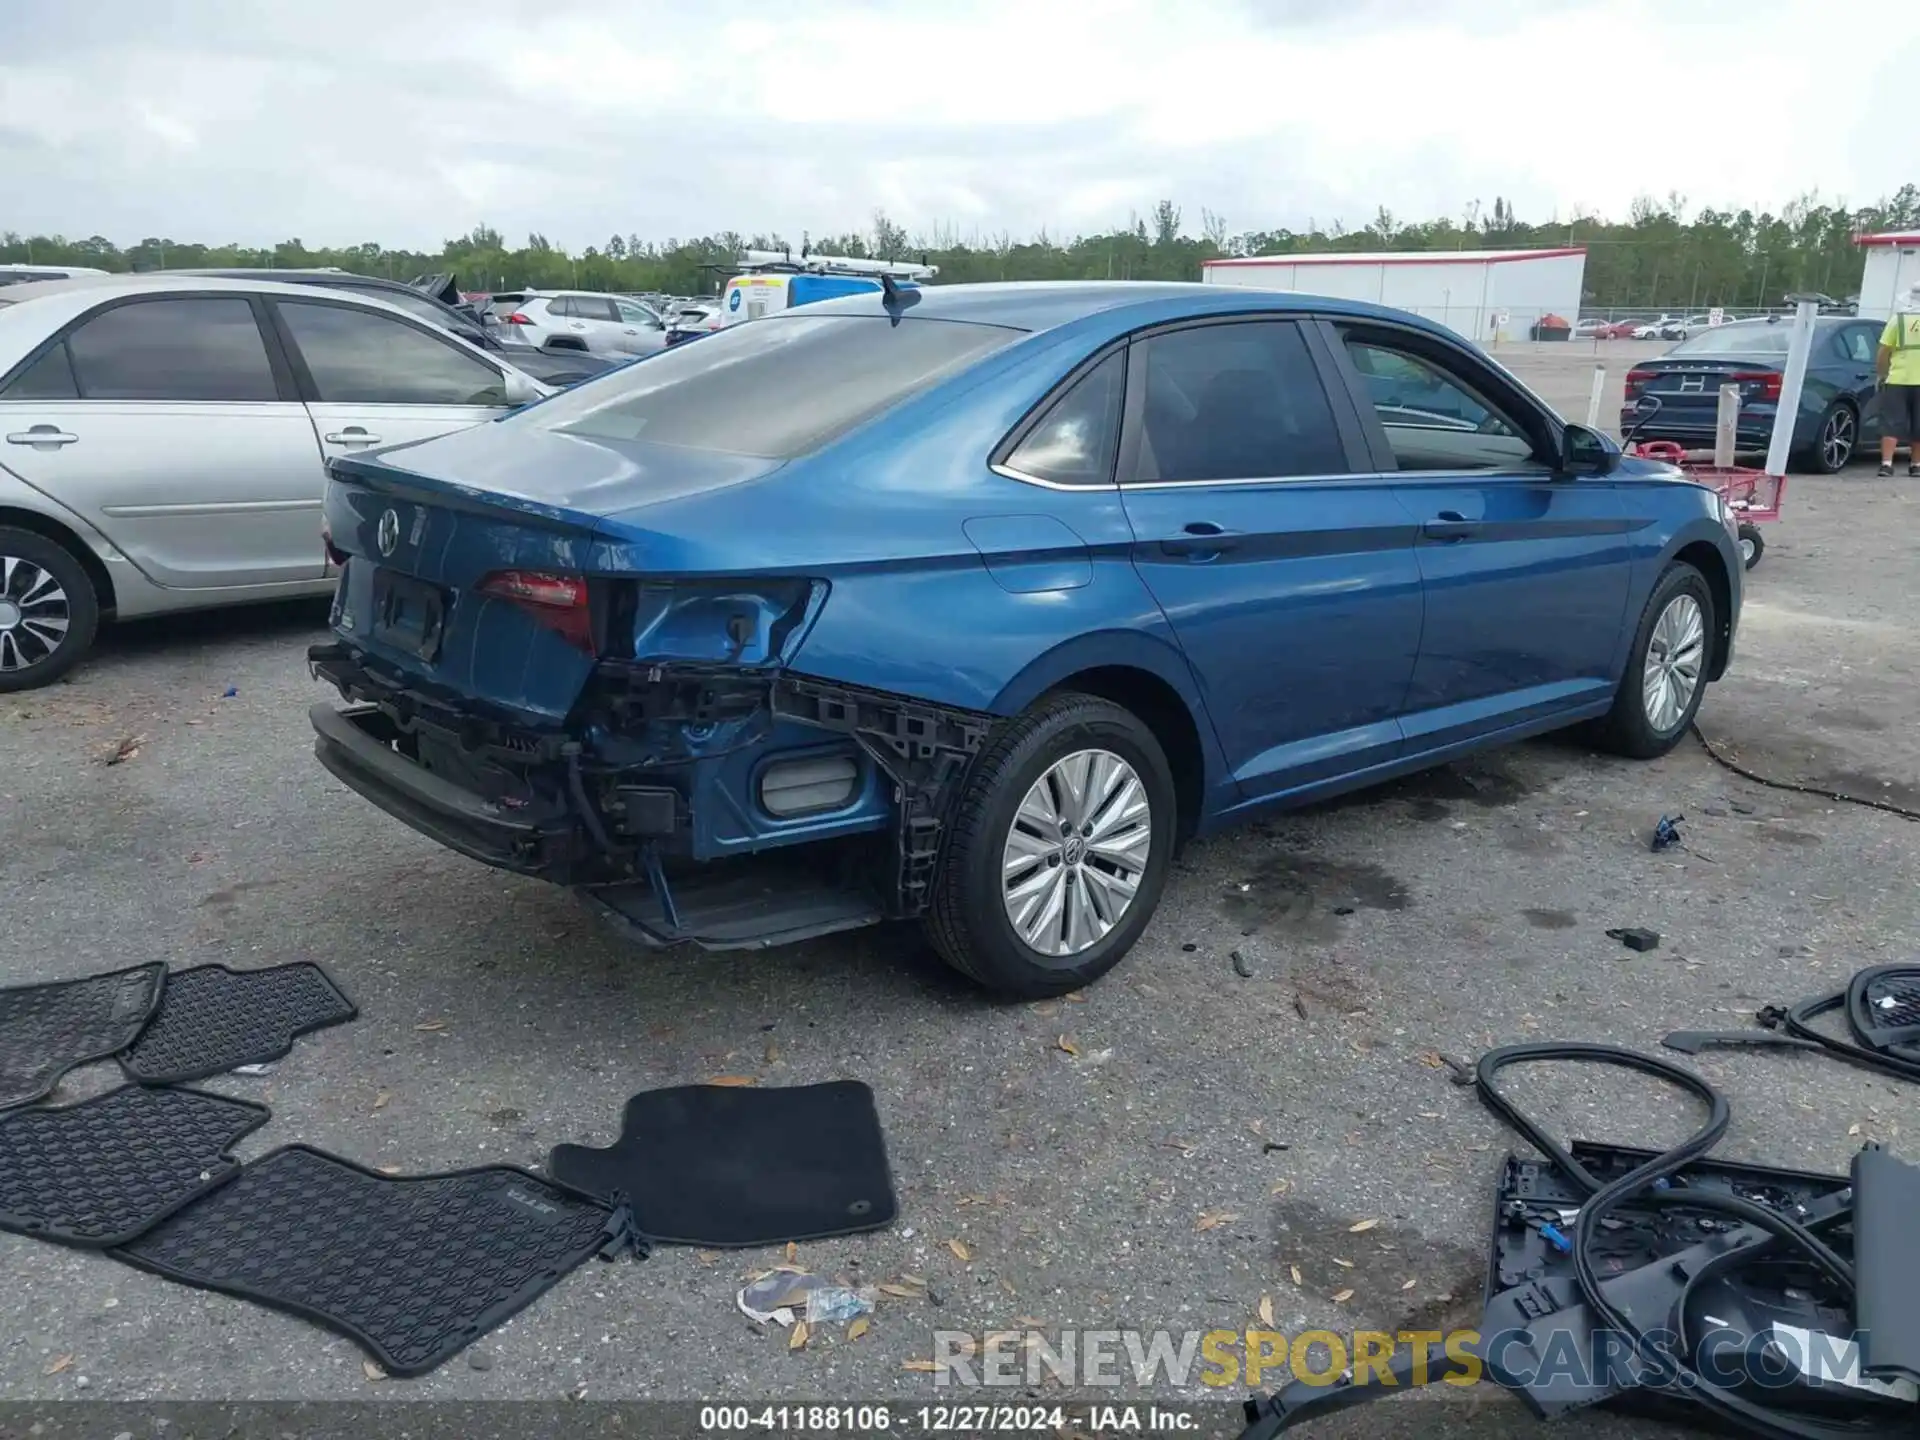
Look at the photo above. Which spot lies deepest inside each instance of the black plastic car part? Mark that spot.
(1881, 1005)
(1887, 1264)
(1764, 1249)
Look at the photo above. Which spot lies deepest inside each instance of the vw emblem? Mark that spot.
(388, 535)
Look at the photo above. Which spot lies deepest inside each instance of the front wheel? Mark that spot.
(1666, 669)
(48, 610)
(1752, 545)
(1058, 849)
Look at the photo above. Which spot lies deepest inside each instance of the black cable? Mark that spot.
(1726, 762)
(1637, 1185)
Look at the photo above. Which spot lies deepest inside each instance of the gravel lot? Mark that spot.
(1072, 1149)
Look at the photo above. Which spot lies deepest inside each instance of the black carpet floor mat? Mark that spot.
(212, 1019)
(107, 1170)
(412, 1268)
(46, 1030)
(721, 1166)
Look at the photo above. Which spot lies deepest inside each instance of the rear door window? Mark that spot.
(361, 357)
(593, 307)
(774, 390)
(1075, 441)
(200, 348)
(1234, 402)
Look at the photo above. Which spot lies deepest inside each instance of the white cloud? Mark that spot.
(216, 120)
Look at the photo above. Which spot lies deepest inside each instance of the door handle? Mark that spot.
(1201, 540)
(1450, 525)
(352, 435)
(47, 435)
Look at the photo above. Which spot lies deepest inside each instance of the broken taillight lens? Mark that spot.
(559, 602)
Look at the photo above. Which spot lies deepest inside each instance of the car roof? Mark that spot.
(1048, 304)
(300, 275)
(67, 299)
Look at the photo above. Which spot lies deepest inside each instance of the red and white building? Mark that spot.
(1483, 294)
(1893, 267)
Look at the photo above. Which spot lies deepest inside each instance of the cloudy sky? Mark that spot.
(407, 121)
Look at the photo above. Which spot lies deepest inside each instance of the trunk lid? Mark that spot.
(447, 580)
(1688, 387)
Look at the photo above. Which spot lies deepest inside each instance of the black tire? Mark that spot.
(968, 922)
(1627, 729)
(1836, 442)
(42, 665)
(1752, 544)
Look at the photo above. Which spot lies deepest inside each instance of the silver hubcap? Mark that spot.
(1746, 548)
(1076, 852)
(1674, 653)
(1836, 443)
(33, 614)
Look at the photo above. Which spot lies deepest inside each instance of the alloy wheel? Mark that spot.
(34, 614)
(1675, 652)
(1836, 440)
(1075, 853)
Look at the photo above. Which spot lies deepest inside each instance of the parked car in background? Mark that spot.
(560, 368)
(693, 636)
(583, 320)
(691, 320)
(166, 440)
(1677, 396)
(12, 274)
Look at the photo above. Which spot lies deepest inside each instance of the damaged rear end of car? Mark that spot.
(551, 666)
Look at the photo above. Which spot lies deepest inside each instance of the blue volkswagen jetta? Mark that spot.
(971, 604)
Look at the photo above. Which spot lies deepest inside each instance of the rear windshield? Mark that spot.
(1737, 340)
(773, 388)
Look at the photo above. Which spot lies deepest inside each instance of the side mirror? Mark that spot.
(521, 389)
(1585, 451)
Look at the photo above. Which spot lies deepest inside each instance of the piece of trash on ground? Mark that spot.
(254, 1070)
(124, 751)
(1241, 965)
(782, 1296)
(1667, 832)
(1636, 938)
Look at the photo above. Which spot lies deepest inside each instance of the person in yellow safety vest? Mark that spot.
(1898, 366)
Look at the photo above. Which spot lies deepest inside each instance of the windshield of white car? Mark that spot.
(773, 388)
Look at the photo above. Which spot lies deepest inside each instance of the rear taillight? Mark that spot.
(559, 602)
(1767, 380)
(1636, 381)
(516, 318)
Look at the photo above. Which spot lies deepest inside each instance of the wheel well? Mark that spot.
(1707, 560)
(1160, 708)
(63, 537)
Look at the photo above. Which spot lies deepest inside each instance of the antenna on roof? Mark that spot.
(894, 298)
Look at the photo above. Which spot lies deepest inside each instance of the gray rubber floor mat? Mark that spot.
(212, 1019)
(412, 1268)
(107, 1170)
(46, 1030)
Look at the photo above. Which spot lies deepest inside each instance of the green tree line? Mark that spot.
(1659, 256)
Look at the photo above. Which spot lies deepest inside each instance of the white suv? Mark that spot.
(586, 320)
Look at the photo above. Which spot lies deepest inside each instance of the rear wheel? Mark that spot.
(1058, 850)
(1666, 669)
(48, 610)
(1835, 441)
